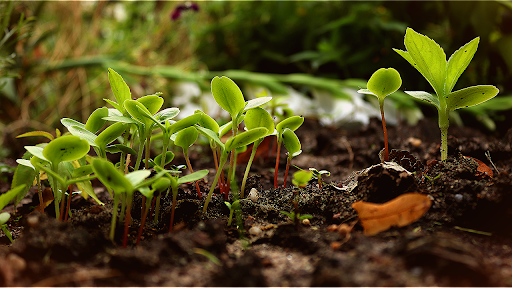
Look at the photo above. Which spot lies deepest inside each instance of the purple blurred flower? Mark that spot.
(183, 7)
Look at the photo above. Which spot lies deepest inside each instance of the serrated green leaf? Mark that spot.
(119, 88)
(227, 94)
(384, 82)
(470, 96)
(429, 58)
(245, 138)
(458, 62)
(425, 96)
(95, 122)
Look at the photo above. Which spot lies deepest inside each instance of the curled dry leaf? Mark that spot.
(482, 170)
(401, 211)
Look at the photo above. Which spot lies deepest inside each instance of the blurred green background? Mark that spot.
(54, 55)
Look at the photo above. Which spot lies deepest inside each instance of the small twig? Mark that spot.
(488, 155)
(473, 231)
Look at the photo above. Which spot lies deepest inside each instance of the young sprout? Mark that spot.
(293, 123)
(318, 174)
(381, 84)
(301, 178)
(230, 98)
(184, 139)
(232, 208)
(256, 117)
(159, 186)
(4, 200)
(429, 59)
(175, 182)
(292, 144)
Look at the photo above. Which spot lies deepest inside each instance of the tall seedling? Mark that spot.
(184, 139)
(429, 59)
(292, 123)
(292, 144)
(383, 83)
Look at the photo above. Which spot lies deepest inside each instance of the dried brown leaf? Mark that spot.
(401, 211)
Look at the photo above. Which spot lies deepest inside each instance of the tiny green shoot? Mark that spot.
(318, 174)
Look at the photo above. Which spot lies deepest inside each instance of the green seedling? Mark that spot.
(256, 117)
(296, 216)
(318, 175)
(429, 59)
(159, 186)
(292, 144)
(300, 179)
(230, 98)
(123, 185)
(381, 84)
(232, 208)
(4, 200)
(292, 123)
(65, 148)
(233, 142)
(184, 139)
(175, 182)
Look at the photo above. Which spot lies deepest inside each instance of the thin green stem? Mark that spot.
(128, 219)
(249, 163)
(114, 216)
(174, 199)
(277, 163)
(386, 151)
(222, 162)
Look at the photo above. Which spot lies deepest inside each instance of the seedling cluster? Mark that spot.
(131, 128)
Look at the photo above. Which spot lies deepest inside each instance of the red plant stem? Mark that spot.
(386, 151)
(277, 163)
(153, 205)
(127, 223)
(142, 223)
(143, 205)
(187, 159)
(288, 160)
(171, 225)
(222, 186)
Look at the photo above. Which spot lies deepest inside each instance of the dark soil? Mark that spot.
(465, 238)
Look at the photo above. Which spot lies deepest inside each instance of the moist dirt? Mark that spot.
(464, 239)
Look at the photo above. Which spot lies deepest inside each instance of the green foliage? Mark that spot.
(383, 82)
(65, 148)
(429, 59)
(227, 94)
(301, 178)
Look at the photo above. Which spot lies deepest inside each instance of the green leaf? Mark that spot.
(126, 149)
(186, 137)
(86, 186)
(4, 217)
(291, 142)
(119, 88)
(207, 121)
(184, 123)
(425, 96)
(211, 135)
(36, 151)
(110, 176)
(24, 174)
(25, 162)
(136, 177)
(301, 178)
(161, 184)
(118, 107)
(95, 122)
(152, 102)
(9, 195)
(82, 171)
(122, 119)
(227, 94)
(458, 62)
(259, 117)
(167, 114)
(429, 58)
(110, 134)
(256, 102)
(384, 82)
(193, 176)
(245, 138)
(67, 122)
(138, 111)
(169, 156)
(66, 148)
(470, 96)
(36, 133)
(293, 123)
(84, 134)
